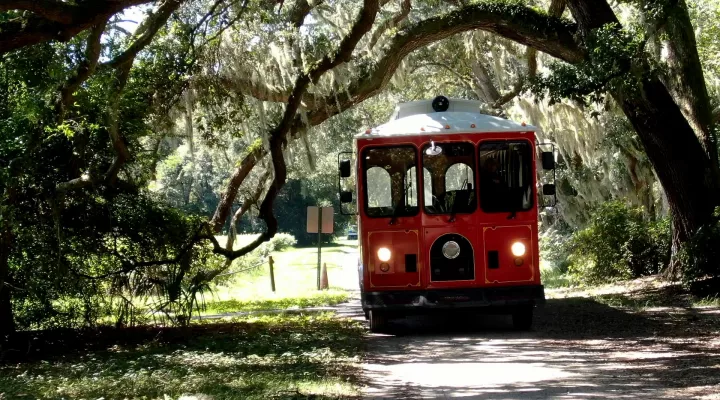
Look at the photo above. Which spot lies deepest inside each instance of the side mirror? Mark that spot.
(548, 189)
(548, 160)
(346, 197)
(345, 168)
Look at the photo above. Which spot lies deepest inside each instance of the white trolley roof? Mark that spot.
(462, 116)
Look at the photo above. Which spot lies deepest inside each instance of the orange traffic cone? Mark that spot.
(323, 277)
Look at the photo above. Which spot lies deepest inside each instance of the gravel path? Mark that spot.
(578, 349)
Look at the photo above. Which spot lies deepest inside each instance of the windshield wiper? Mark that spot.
(395, 215)
(453, 211)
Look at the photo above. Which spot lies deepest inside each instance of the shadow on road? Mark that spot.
(577, 349)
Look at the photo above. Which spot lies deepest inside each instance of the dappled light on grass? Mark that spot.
(256, 358)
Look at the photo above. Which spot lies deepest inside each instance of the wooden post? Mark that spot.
(272, 273)
(319, 245)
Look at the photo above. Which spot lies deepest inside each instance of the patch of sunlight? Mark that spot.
(459, 374)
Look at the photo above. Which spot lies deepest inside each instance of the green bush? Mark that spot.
(619, 243)
(282, 241)
(700, 255)
(278, 242)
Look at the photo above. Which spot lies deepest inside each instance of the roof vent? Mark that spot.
(440, 104)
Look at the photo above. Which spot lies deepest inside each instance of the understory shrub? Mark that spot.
(619, 243)
(279, 242)
(554, 249)
(282, 241)
(700, 256)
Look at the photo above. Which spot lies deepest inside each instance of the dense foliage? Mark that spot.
(618, 243)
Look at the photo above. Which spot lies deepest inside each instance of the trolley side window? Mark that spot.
(506, 176)
(390, 181)
(449, 184)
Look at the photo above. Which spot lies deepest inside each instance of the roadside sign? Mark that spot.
(314, 217)
(319, 220)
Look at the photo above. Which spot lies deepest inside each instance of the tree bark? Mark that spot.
(685, 78)
(679, 160)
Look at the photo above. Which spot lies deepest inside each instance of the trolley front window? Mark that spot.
(506, 176)
(449, 185)
(390, 181)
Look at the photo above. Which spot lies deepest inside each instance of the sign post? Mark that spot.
(319, 248)
(319, 220)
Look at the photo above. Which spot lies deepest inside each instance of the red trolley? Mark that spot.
(447, 210)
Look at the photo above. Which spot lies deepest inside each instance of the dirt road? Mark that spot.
(578, 349)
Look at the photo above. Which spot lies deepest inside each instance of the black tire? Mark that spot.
(523, 318)
(378, 321)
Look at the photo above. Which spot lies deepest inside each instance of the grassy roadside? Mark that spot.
(312, 299)
(288, 357)
(295, 271)
(646, 293)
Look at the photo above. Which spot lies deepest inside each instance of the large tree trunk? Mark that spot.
(7, 322)
(681, 163)
(685, 78)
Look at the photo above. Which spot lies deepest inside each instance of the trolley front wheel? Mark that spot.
(378, 321)
(522, 318)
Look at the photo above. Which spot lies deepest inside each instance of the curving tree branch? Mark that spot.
(236, 180)
(296, 15)
(391, 23)
(246, 205)
(122, 64)
(146, 32)
(556, 9)
(55, 20)
(515, 22)
(86, 68)
(279, 135)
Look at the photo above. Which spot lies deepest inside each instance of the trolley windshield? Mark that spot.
(390, 181)
(449, 177)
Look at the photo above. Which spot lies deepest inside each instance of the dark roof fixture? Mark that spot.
(440, 104)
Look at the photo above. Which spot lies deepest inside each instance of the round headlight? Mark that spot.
(384, 254)
(384, 267)
(518, 249)
(451, 249)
